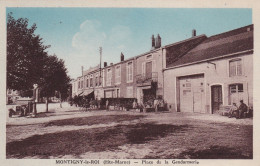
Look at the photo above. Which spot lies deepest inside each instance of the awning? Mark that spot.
(91, 95)
(81, 94)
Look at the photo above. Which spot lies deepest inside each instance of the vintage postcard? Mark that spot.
(129, 83)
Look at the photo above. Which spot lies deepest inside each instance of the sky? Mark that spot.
(75, 34)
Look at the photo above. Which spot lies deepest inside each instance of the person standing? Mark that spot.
(107, 103)
(134, 104)
(155, 104)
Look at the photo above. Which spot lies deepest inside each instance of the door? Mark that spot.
(216, 98)
(197, 102)
(191, 94)
(117, 93)
(148, 70)
(186, 96)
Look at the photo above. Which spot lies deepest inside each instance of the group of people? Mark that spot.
(238, 112)
(156, 104)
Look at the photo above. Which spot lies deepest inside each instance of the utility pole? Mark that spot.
(100, 52)
(100, 74)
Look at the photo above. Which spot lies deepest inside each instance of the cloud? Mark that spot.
(89, 36)
(119, 34)
(86, 42)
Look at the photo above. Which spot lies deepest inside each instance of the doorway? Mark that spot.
(216, 98)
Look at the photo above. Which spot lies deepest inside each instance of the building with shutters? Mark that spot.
(119, 79)
(90, 81)
(137, 77)
(218, 71)
(198, 74)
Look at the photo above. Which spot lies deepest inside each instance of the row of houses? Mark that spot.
(198, 74)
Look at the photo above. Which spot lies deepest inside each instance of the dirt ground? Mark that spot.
(70, 133)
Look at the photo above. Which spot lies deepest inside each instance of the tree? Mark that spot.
(28, 62)
(25, 54)
(55, 78)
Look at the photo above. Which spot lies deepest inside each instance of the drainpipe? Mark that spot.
(163, 60)
(162, 74)
(247, 94)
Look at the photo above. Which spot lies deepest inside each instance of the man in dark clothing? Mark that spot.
(241, 109)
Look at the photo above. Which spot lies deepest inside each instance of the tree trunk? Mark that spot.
(47, 102)
(34, 108)
(60, 101)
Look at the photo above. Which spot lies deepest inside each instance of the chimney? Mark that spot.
(82, 68)
(158, 41)
(193, 33)
(105, 64)
(111, 64)
(122, 57)
(153, 42)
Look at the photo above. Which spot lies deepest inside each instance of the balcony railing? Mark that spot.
(147, 78)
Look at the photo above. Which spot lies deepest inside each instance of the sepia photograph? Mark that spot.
(128, 83)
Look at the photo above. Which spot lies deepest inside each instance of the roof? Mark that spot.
(230, 42)
(176, 50)
(91, 69)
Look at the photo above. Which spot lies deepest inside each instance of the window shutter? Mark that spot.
(239, 68)
(153, 66)
(232, 68)
(143, 69)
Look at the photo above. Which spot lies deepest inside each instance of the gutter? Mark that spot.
(210, 59)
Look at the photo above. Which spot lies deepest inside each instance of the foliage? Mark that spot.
(25, 53)
(28, 62)
(55, 77)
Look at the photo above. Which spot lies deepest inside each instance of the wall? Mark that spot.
(218, 76)
(157, 67)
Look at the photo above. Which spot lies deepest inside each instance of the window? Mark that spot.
(100, 80)
(81, 85)
(91, 82)
(236, 93)
(235, 68)
(109, 77)
(129, 72)
(118, 74)
(96, 81)
(234, 88)
(87, 83)
(129, 92)
(118, 93)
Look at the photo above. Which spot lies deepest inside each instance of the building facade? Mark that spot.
(138, 77)
(219, 71)
(198, 74)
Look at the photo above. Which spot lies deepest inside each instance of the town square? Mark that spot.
(129, 83)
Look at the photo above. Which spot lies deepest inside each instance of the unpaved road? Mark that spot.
(70, 133)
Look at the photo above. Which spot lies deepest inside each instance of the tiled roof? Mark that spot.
(234, 41)
(176, 50)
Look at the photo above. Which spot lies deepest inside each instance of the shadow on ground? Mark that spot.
(104, 119)
(214, 152)
(96, 140)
